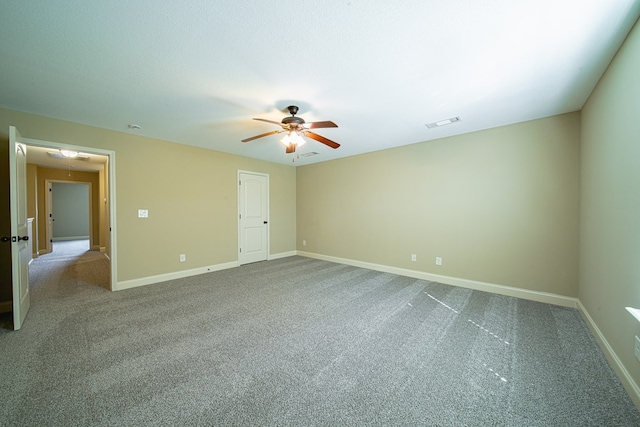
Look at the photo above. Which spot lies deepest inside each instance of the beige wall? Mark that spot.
(32, 174)
(499, 206)
(105, 243)
(191, 195)
(610, 202)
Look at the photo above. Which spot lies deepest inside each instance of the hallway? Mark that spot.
(70, 269)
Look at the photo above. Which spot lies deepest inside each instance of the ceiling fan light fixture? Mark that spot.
(69, 154)
(293, 137)
(298, 140)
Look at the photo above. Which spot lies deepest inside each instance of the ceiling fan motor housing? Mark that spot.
(290, 120)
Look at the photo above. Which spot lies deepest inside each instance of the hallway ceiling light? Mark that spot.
(58, 154)
(69, 154)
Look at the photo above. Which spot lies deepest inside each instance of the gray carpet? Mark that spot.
(296, 342)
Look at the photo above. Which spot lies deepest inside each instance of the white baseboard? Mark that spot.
(128, 284)
(282, 255)
(134, 283)
(6, 306)
(64, 239)
(527, 294)
(615, 362)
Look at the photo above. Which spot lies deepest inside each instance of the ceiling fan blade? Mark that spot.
(269, 121)
(291, 148)
(273, 132)
(322, 139)
(316, 125)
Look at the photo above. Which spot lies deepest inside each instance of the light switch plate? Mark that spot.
(143, 213)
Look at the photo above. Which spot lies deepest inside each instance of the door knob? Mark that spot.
(265, 222)
(25, 238)
(5, 239)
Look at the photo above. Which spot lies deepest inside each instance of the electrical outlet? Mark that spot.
(636, 348)
(143, 213)
(304, 243)
(183, 257)
(438, 260)
(413, 257)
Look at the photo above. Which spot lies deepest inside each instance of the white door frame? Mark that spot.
(265, 175)
(111, 155)
(48, 183)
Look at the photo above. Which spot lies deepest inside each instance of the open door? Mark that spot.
(19, 235)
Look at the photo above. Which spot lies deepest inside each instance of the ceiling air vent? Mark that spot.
(311, 153)
(443, 122)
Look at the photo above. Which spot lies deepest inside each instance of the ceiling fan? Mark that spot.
(296, 128)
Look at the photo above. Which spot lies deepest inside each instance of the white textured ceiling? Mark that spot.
(196, 71)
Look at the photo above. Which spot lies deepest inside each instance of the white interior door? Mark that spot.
(49, 217)
(253, 217)
(19, 234)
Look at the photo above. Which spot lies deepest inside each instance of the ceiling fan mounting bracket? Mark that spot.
(293, 110)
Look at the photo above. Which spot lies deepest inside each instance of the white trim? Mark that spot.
(615, 362)
(634, 312)
(282, 255)
(143, 281)
(134, 283)
(527, 294)
(111, 155)
(65, 239)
